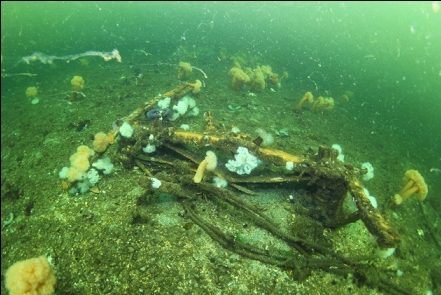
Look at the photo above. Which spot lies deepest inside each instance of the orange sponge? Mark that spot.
(307, 98)
(414, 185)
(209, 163)
(31, 276)
(100, 142)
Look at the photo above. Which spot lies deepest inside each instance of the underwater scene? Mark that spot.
(220, 148)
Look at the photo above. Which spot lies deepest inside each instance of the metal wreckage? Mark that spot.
(328, 178)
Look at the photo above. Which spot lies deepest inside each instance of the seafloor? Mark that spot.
(122, 241)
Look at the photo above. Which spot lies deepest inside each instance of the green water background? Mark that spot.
(387, 53)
